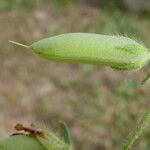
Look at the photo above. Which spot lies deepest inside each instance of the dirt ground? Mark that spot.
(100, 105)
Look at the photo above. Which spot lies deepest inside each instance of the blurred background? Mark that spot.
(100, 105)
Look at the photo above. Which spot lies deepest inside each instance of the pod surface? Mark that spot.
(21, 142)
(115, 51)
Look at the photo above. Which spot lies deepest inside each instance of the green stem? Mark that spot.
(137, 131)
(145, 78)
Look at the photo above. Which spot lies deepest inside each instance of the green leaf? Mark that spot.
(64, 132)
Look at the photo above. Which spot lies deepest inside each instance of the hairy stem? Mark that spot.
(137, 131)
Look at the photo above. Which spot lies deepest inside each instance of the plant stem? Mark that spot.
(136, 132)
(146, 78)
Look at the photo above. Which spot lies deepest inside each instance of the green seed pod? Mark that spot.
(21, 142)
(36, 140)
(115, 51)
(52, 142)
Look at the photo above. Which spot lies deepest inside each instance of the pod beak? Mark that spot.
(16, 43)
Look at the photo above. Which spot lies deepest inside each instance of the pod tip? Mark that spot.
(16, 43)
